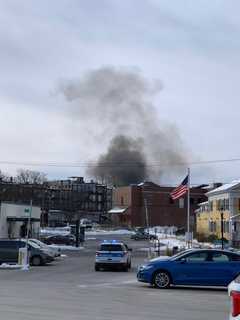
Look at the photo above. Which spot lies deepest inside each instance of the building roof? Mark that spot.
(203, 203)
(225, 188)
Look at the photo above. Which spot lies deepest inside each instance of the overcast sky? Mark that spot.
(193, 47)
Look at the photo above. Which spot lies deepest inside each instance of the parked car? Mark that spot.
(68, 240)
(198, 267)
(143, 236)
(113, 254)
(234, 293)
(9, 250)
(55, 252)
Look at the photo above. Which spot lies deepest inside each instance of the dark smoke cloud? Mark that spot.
(115, 106)
(123, 164)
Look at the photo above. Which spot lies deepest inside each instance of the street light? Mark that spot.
(222, 238)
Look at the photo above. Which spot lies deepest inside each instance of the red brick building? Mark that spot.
(156, 200)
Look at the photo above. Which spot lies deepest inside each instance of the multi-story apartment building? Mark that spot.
(66, 200)
(76, 197)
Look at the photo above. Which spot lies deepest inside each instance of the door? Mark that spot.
(8, 251)
(193, 269)
(225, 267)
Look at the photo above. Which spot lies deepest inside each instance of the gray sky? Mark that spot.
(193, 47)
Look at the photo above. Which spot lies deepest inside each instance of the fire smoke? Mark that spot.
(116, 104)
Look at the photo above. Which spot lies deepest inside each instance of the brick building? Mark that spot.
(71, 198)
(135, 200)
(75, 196)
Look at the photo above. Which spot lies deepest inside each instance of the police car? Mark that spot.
(113, 253)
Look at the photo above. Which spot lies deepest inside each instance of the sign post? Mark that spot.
(25, 253)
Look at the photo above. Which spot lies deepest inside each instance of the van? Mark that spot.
(9, 250)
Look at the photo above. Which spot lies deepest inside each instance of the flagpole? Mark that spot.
(188, 209)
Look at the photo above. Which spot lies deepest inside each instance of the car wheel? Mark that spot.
(97, 267)
(162, 280)
(36, 261)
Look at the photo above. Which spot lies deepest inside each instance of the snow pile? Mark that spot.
(10, 266)
(66, 248)
(55, 231)
(93, 232)
(109, 232)
(166, 230)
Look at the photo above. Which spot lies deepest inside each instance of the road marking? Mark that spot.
(107, 284)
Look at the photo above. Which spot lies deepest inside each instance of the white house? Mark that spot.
(227, 199)
(14, 220)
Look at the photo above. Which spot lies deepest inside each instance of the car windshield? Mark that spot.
(34, 245)
(39, 243)
(111, 247)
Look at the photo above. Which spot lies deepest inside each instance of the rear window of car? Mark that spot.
(111, 247)
(220, 257)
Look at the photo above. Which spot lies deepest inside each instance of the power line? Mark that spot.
(116, 163)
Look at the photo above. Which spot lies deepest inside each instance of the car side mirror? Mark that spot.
(130, 249)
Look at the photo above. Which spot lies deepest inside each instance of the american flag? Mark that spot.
(180, 190)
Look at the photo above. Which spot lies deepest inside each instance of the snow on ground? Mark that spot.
(65, 231)
(66, 248)
(108, 232)
(54, 231)
(10, 266)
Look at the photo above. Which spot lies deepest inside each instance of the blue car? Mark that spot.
(197, 267)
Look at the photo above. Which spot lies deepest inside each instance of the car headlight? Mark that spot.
(145, 267)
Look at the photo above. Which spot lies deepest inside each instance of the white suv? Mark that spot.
(113, 254)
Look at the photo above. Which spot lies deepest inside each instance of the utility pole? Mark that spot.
(147, 224)
(188, 209)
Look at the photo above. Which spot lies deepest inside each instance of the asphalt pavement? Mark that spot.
(70, 289)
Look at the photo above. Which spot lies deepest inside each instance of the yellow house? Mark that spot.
(209, 219)
(225, 200)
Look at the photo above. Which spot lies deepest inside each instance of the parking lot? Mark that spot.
(70, 289)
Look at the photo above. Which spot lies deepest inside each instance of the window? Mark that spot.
(227, 204)
(197, 257)
(181, 203)
(210, 206)
(220, 257)
(111, 247)
(191, 200)
(171, 201)
(212, 226)
(235, 257)
(226, 226)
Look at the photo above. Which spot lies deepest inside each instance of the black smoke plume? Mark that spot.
(123, 164)
(114, 109)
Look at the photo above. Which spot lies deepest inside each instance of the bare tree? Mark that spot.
(4, 176)
(30, 176)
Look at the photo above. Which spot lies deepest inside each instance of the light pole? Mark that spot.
(222, 229)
